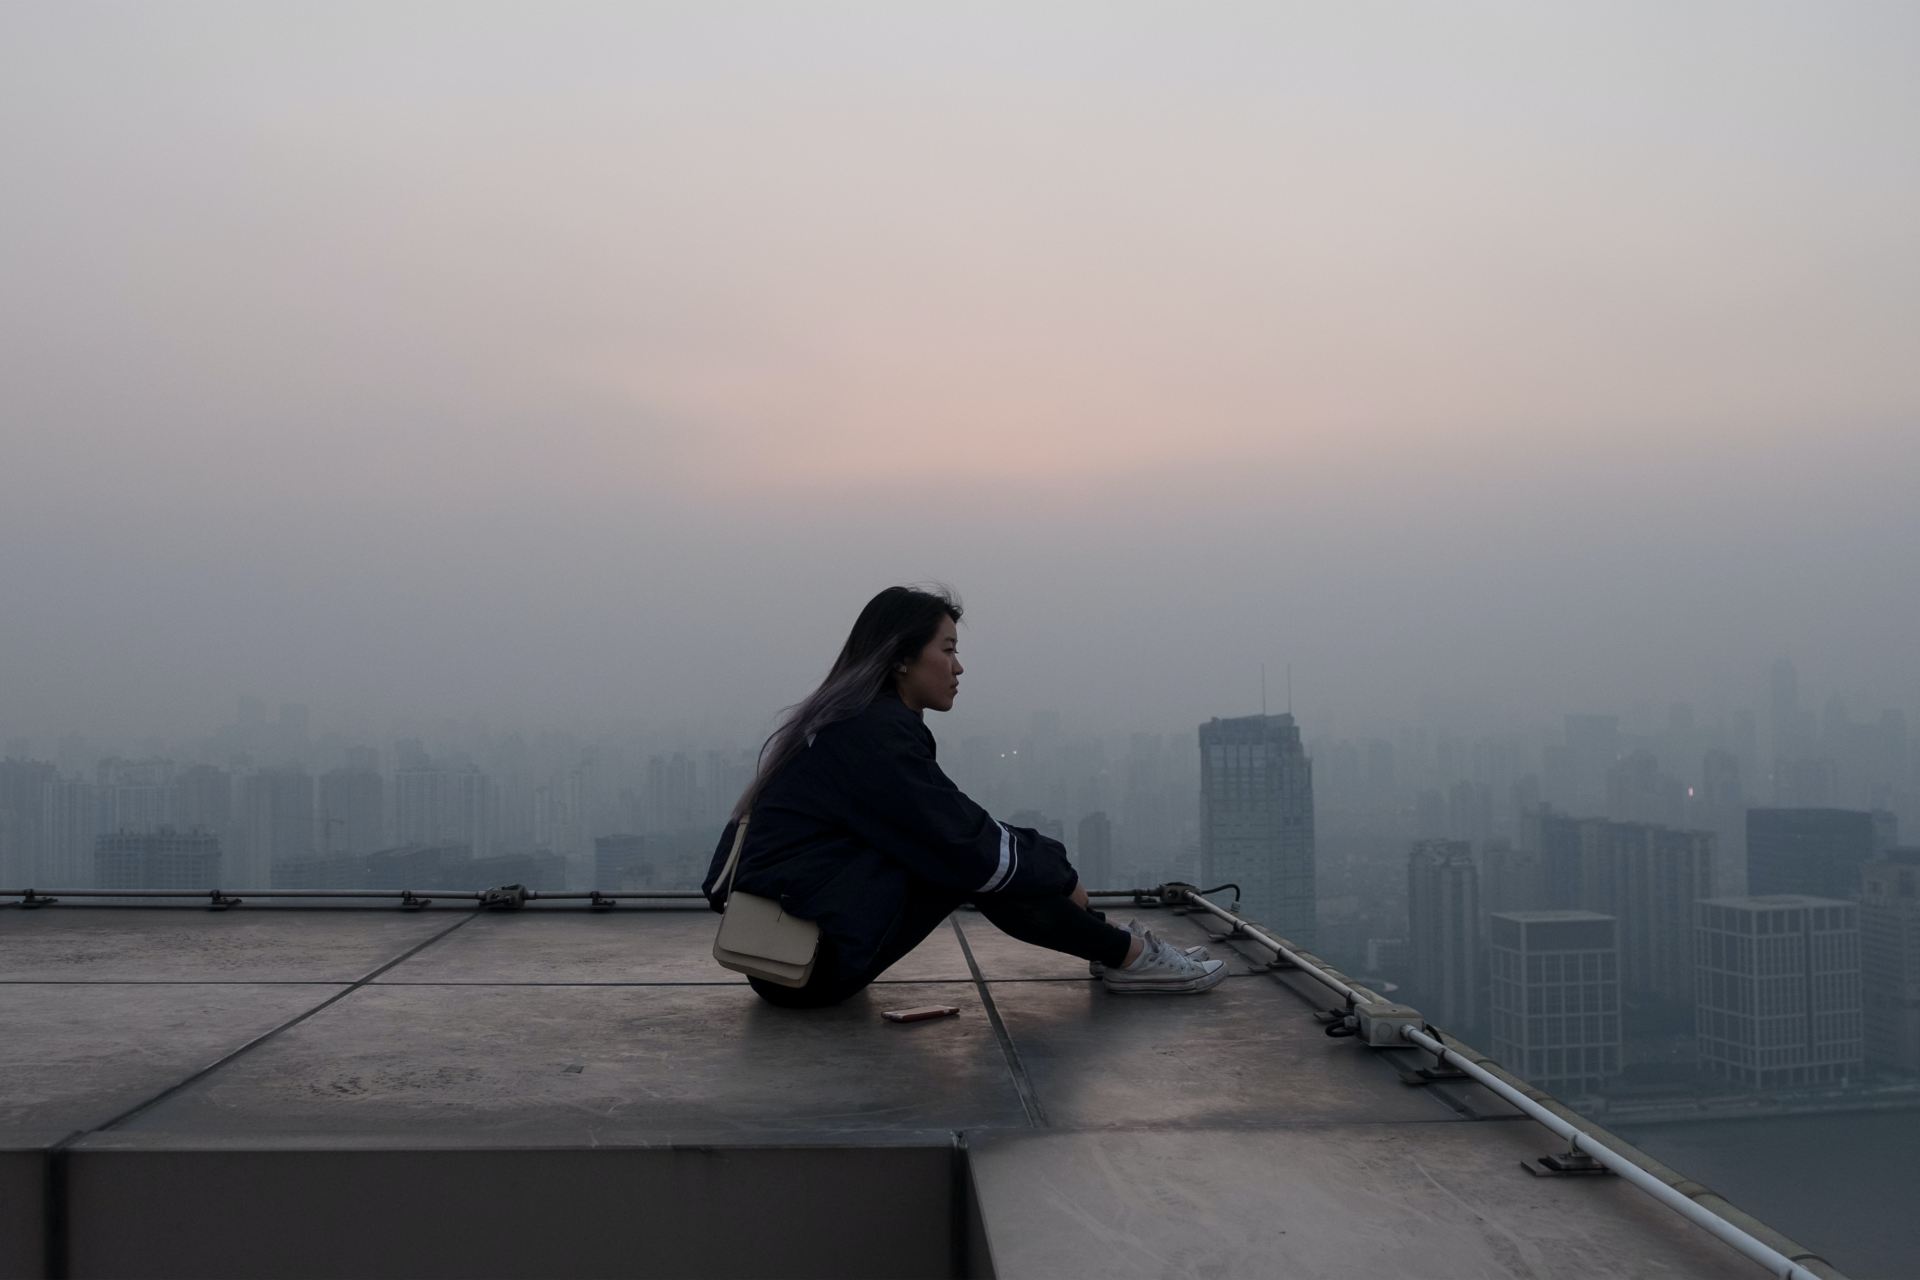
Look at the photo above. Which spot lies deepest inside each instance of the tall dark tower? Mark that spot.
(1256, 819)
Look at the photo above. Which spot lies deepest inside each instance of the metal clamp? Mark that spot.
(218, 901)
(507, 897)
(36, 899)
(1176, 895)
(1575, 1163)
(1441, 1068)
(601, 901)
(411, 901)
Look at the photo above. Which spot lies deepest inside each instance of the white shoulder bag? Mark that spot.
(758, 938)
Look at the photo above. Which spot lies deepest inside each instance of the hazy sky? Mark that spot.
(559, 361)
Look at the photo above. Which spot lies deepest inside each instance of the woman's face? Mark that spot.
(934, 677)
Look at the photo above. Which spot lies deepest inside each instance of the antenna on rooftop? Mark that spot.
(1289, 688)
(1263, 689)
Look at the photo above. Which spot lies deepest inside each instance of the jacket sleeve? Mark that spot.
(903, 803)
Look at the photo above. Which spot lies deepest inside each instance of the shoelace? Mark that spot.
(1184, 962)
(1167, 955)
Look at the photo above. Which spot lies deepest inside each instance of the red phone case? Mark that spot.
(920, 1014)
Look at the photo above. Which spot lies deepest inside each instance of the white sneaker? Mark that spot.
(1139, 930)
(1165, 969)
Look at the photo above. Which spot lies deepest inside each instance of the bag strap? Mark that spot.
(739, 838)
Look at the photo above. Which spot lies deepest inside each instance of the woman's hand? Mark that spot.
(1079, 895)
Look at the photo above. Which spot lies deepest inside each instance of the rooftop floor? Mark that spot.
(454, 1092)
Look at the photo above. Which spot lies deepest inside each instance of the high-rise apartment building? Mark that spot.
(435, 806)
(162, 858)
(1443, 931)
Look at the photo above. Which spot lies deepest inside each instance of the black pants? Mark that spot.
(1055, 923)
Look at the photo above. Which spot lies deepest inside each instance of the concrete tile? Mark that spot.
(625, 944)
(1343, 1200)
(75, 1056)
(618, 946)
(486, 1061)
(938, 959)
(1000, 956)
(1246, 1052)
(187, 944)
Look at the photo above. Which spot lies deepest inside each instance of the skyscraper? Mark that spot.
(23, 787)
(203, 798)
(1256, 819)
(277, 817)
(1722, 807)
(434, 806)
(1511, 879)
(1646, 877)
(69, 821)
(727, 775)
(135, 795)
(353, 811)
(673, 793)
(1093, 854)
(1890, 959)
(1555, 838)
(1443, 930)
(1779, 990)
(1813, 851)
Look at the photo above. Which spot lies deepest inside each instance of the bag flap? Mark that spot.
(756, 926)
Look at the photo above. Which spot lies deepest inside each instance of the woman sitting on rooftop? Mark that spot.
(855, 827)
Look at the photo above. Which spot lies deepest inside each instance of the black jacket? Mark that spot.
(861, 817)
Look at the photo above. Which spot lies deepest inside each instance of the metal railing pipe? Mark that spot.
(1298, 959)
(204, 894)
(216, 894)
(1580, 1141)
(608, 895)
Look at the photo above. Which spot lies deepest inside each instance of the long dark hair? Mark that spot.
(894, 627)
